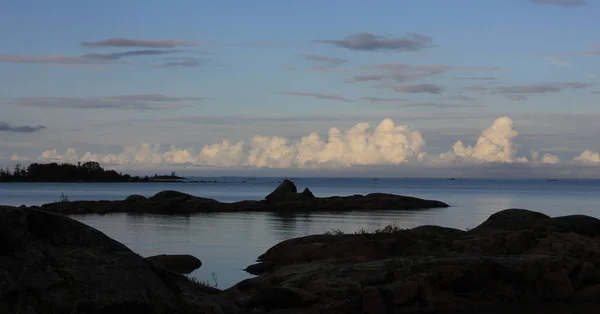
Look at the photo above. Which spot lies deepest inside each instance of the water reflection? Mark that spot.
(228, 242)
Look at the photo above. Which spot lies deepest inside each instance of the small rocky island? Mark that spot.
(81, 172)
(517, 261)
(285, 198)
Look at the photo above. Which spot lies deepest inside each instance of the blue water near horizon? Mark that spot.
(228, 242)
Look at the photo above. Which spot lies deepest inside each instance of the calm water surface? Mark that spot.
(228, 242)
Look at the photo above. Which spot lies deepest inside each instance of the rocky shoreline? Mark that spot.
(516, 258)
(285, 198)
(517, 261)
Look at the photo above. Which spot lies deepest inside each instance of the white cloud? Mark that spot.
(70, 155)
(550, 159)
(388, 143)
(588, 157)
(16, 157)
(495, 144)
(360, 145)
(545, 159)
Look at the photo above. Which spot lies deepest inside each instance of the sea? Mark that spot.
(228, 242)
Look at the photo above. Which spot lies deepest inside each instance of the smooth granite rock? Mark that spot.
(518, 261)
(50, 263)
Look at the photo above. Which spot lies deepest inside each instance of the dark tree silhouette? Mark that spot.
(90, 171)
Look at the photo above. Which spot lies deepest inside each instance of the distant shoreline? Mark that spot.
(183, 180)
(87, 172)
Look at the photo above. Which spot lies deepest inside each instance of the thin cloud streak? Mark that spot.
(323, 63)
(383, 99)
(419, 88)
(151, 97)
(476, 78)
(123, 102)
(440, 105)
(563, 3)
(5, 127)
(404, 72)
(521, 92)
(86, 59)
(141, 43)
(183, 62)
(319, 96)
(461, 97)
(371, 42)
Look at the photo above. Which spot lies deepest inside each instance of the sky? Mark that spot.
(394, 88)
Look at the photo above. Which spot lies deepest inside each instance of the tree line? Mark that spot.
(90, 171)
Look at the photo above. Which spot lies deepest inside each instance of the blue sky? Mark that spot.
(104, 77)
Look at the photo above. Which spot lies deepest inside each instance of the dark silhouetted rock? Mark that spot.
(170, 195)
(517, 261)
(286, 189)
(135, 197)
(511, 220)
(307, 194)
(50, 263)
(183, 264)
(283, 199)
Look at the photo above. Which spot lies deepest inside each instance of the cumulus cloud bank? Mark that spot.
(361, 145)
(387, 143)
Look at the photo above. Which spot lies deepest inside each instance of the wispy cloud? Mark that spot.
(86, 59)
(401, 102)
(461, 97)
(563, 3)
(123, 102)
(323, 63)
(476, 78)
(5, 127)
(419, 88)
(134, 53)
(267, 44)
(403, 72)
(141, 43)
(440, 105)
(383, 99)
(151, 97)
(520, 92)
(596, 92)
(319, 96)
(183, 62)
(371, 42)
(558, 62)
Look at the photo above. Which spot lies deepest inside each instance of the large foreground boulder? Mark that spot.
(50, 263)
(518, 261)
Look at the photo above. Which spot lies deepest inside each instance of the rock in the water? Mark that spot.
(286, 189)
(50, 263)
(283, 199)
(168, 194)
(183, 264)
